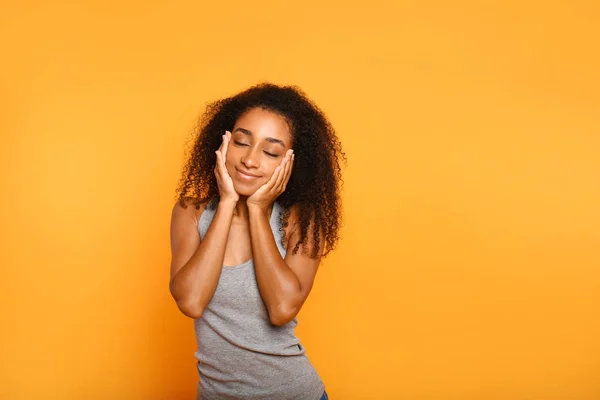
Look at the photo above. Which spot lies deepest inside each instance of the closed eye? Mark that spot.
(244, 144)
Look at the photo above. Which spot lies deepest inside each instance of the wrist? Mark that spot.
(227, 202)
(257, 209)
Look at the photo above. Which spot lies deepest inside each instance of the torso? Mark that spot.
(240, 353)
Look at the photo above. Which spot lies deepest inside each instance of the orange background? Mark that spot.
(469, 266)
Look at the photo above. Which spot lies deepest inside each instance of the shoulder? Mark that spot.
(293, 220)
(309, 242)
(188, 209)
(292, 228)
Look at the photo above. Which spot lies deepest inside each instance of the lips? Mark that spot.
(245, 174)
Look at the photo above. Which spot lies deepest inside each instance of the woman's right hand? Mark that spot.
(224, 181)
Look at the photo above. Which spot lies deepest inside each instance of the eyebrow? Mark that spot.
(268, 139)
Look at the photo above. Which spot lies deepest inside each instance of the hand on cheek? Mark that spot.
(267, 193)
(224, 181)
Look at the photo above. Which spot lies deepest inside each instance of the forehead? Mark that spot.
(264, 123)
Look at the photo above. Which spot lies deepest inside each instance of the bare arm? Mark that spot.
(284, 284)
(196, 264)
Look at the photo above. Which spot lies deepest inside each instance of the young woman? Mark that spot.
(258, 207)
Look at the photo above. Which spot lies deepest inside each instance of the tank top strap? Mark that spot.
(207, 216)
(276, 222)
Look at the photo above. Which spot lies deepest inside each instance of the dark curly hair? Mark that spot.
(316, 180)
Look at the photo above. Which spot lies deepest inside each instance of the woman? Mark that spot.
(258, 206)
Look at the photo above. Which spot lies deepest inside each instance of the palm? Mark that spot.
(276, 185)
(224, 181)
(226, 184)
(260, 193)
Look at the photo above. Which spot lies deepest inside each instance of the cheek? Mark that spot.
(271, 168)
(230, 157)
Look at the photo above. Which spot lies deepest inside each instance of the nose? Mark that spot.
(250, 158)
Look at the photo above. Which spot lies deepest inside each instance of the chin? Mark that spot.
(245, 190)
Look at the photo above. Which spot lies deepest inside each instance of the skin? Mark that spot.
(260, 144)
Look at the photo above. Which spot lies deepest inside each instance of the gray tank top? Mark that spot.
(240, 354)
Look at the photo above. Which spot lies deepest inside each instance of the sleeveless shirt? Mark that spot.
(240, 354)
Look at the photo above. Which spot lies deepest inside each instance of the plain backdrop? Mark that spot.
(469, 265)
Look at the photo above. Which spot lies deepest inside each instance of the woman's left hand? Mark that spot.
(267, 193)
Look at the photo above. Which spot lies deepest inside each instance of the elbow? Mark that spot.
(188, 307)
(190, 310)
(281, 315)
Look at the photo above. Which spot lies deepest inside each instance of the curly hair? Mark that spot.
(316, 180)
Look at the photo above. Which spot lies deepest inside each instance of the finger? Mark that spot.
(224, 172)
(290, 164)
(226, 140)
(288, 173)
(290, 156)
(222, 140)
(278, 183)
(218, 167)
(218, 162)
(273, 181)
(223, 144)
(284, 159)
